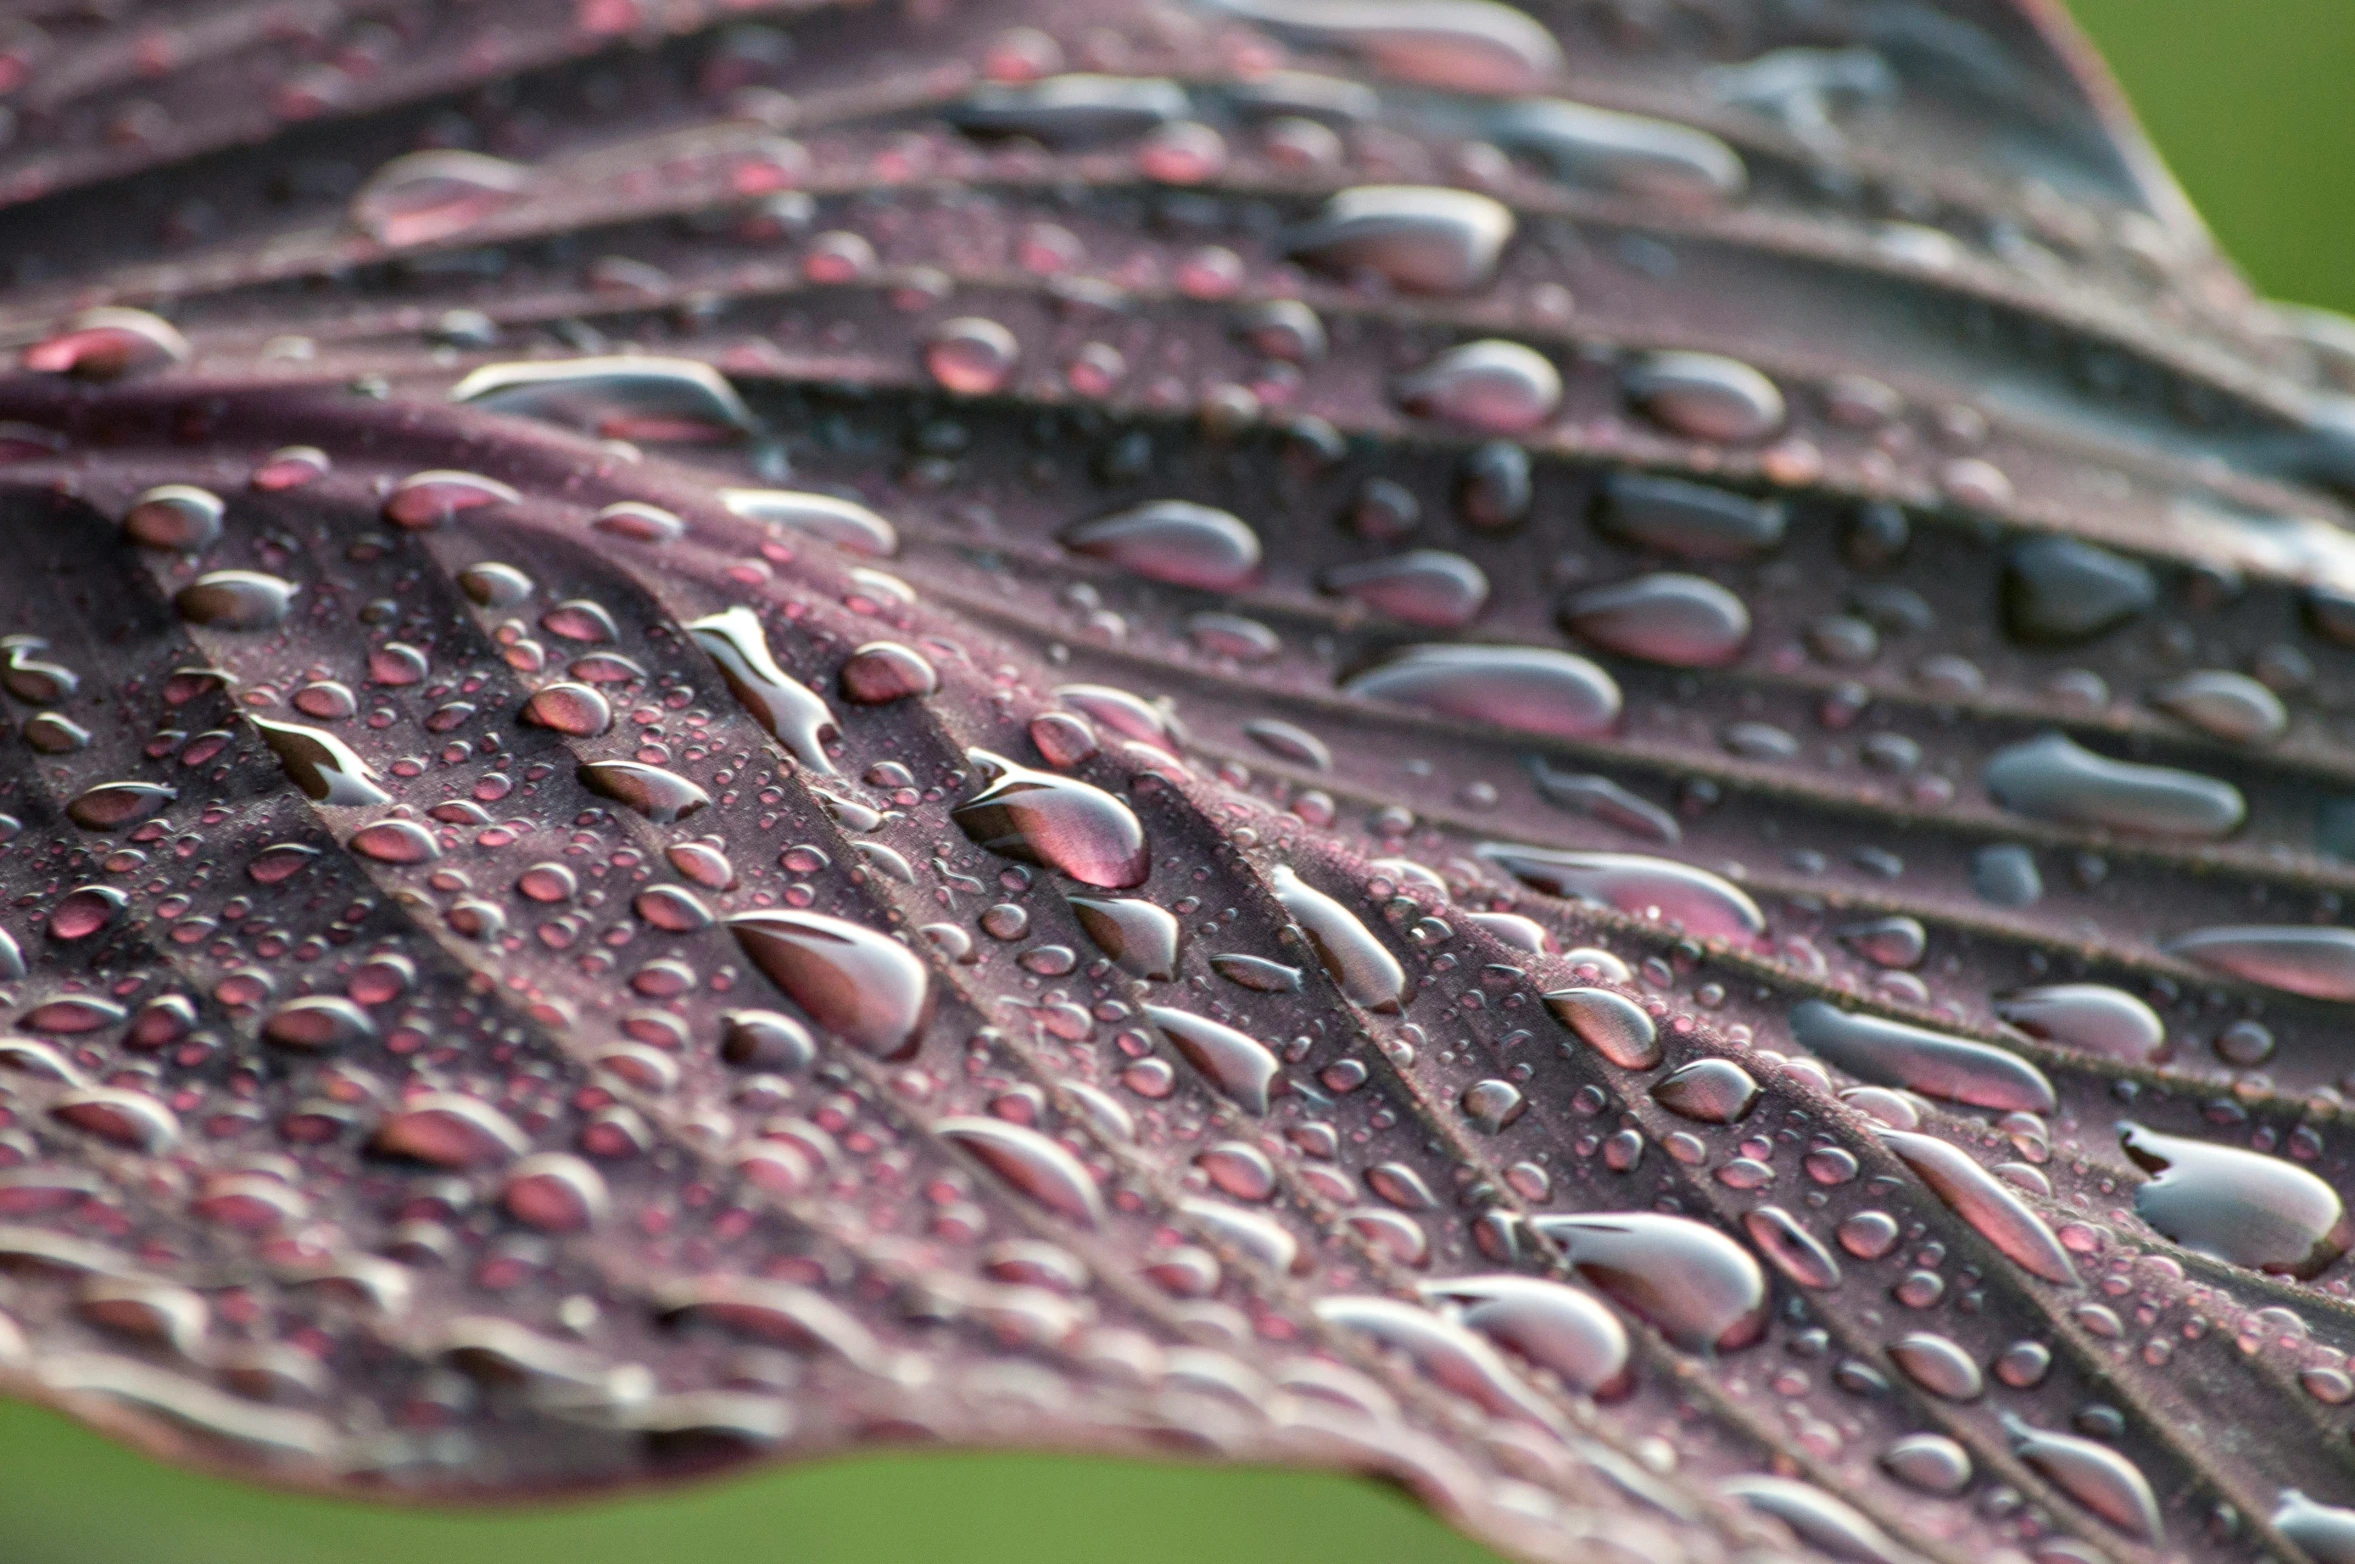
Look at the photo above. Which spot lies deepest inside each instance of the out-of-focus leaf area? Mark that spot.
(2247, 103)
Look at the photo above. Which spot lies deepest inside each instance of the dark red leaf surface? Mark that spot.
(1598, 757)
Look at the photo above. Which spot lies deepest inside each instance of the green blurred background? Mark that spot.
(2247, 99)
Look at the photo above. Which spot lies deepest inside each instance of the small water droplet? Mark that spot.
(2239, 1206)
(422, 197)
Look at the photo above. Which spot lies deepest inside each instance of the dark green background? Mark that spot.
(2247, 98)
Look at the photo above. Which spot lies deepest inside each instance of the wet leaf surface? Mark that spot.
(1591, 757)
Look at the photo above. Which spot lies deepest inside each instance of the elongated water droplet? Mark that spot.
(2055, 778)
(1242, 1067)
(1359, 963)
(1057, 822)
(1427, 587)
(1709, 1091)
(2325, 1531)
(1174, 541)
(1419, 238)
(863, 986)
(2091, 1016)
(2061, 592)
(1932, 1463)
(451, 1130)
(1706, 396)
(1031, 1163)
(1553, 1325)
(775, 1312)
(110, 806)
(1691, 1282)
(1493, 386)
(1476, 46)
(1703, 904)
(2226, 705)
(1629, 153)
(1528, 689)
(2296, 958)
(1072, 110)
(1611, 1024)
(328, 770)
(1830, 1525)
(1895, 1053)
(1141, 938)
(844, 523)
(429, 499)
(1695, 520)
(2094, 1475)
(1444, 1351)
(1791, 1248)
(2240, 1206)
(174, 516)
(107, 344)
(795, 715)
(1936, 1364)
(663, 797)
(1989, 1205)
(424, 196)
(576, 710)
(235, 600)
(1679, 620)
(622, 398)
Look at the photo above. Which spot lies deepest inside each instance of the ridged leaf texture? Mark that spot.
(1596, 756)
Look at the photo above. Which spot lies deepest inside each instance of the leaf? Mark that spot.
(1378, 737)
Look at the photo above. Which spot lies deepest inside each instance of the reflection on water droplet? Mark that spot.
(1678, 620)
(657, 400)
(850, 980)
(796, 716)
(2052, 777)
(1057, 822)
(2240, 1206)
(1240, 1066)
(1423, 239)
(1705, 396)
(424, 196)
(1358, 963)
(1031, 1163)
(1528, 689)
(1174, 541)
(1691, 1282)
(174, 516)
(328, 770)
(1493, 386)
(1894, 1053)
(235, 600)
(843, 523)
(1703, 904)
(1992, 1208)
(2092, 1016)
(2296, 958)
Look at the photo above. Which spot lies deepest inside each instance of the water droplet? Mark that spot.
(2094, 1475)
(2230, 706)
(1794, 1250)
(1692, 1283)
(1422, 239)
(1705, 396)
(110, 806)
(575, 710)
(1071, 110)
(2092, 1016)
(657, 400)
(2052, 777)
(766, 1040)
(328, 770)
(2325, 1531)
(1888, 942)
(425, 196)
(290, 467)
(425, 500)
(881, 672)
(107, 344)
(1427, 587)
(1678, 620)
(2299, 959)
(1553, 1325)
(1629, 153)
(1895, 1053)
(1057, 822)
(641, 523)
(1695, 520)
(235, 600)
(451, 1130)
(847, 978)
(118, 1116)
(319, 1022)
(1711, 1091)
(1240, 1066)
(1031, 1163)
(843, 523)
(2239, 1206)
(1527, 689)
(175, 516)
(1442, 1350)
(1494, 386)
(1359, 964)
(1701, 903)
(2060, 592)
(1173, 541)
(663, 797)
(793, 713)
(84, 911)
(1474, 46)
(1931, 1463)
(1831, 1526)
(1989, 1205)
(1939, 1366)
(32, 679)
(1141, 938)
(2007, 876)
(775, 1312)
(971, 356)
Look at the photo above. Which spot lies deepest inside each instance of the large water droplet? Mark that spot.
(1630, 153)
(110, 806)
(619, 398)
(1612, 1024)
(429, 499)
(1527, 689)
(328, 770)
(451, 1130)
(1936, 1364)
(107, 344)
(850, 980)
(1705, 396)
(2092, 1016)
(2299, 959)
(2325, 1531)
(1989, 1205)
(1894, 1053)
(1681, 621)
(2242, 1207)
(1175, 541)
(1358, 963)
(1553, 1325)
(1058, 822)
(1493, 386)
(1678, 516)
(1444, 1351)
(2060, 592)
(795, 715)
(1794, 1251)
(1031, 1163)
(235, 600)
(2094, 1475)
(1703, 904)
(2053, 777)
(1419, 238)
(424, 196)
(1242, 1067)
(1711, 1091)
(1691, 1282)
(1141, 938)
